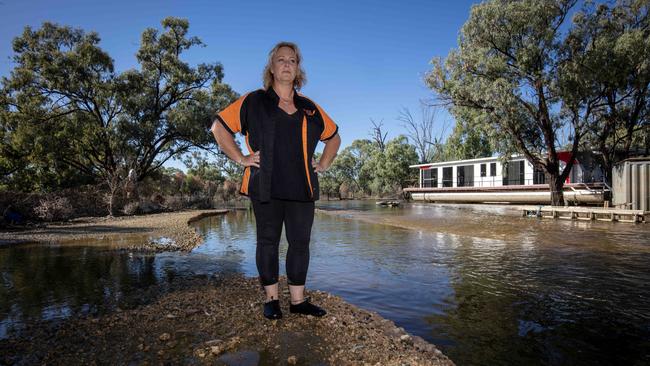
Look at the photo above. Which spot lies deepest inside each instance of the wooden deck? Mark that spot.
(586, 213)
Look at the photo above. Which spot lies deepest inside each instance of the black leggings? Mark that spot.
(298, 218)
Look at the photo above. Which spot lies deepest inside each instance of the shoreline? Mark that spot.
(218, 320)
(202, 320)
(169, 231)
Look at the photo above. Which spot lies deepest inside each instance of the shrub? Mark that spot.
(54, 208)
(174, 203)
(131, 208)
(147, 207)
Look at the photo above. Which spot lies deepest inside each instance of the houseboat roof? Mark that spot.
(468, 161)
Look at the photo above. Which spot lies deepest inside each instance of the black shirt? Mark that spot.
(288, 180)
(256, 115)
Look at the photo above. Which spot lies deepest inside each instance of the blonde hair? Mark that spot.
(301, 77)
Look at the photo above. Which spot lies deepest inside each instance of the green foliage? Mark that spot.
(392, 167)
(198, 165)
(465, 143)
(349, 164)
(608, 49)
(328, 181)
(533, 85)
(191, 185)
(376, 172)
(363, 169)
(503, 81)
(67, 117)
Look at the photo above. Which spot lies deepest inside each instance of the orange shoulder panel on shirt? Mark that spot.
(330, 127)
(231, 115)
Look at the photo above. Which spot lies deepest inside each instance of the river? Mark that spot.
(482, 283)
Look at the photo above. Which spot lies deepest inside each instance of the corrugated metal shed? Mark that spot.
(631, 184)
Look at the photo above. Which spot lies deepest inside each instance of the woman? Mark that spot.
(282, 129)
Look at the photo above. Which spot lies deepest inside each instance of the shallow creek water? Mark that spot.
(482, 283)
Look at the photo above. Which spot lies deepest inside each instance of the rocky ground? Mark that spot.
(218, 321)
(215, 320)
(165, 231)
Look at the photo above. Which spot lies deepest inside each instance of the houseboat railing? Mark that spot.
(427, 183)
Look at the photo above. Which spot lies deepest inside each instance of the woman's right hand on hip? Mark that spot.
(251, 160)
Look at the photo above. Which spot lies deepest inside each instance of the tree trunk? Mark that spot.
(607, 166)
(556, 184)
(113, 188)
(111, 201)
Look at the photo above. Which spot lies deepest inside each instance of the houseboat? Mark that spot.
(517, 181)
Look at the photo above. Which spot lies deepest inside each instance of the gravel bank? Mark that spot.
(218, 321)
(165, 231)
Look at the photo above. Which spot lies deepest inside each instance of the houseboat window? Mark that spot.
(430, 178)
(465, 176)
(515, 174)
(493, 169)
(483, 170)
(447, 177)
(539, 177)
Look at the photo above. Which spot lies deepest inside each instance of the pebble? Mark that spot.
(234, 342)
(200, 352)
(213, 342)
(367, 337)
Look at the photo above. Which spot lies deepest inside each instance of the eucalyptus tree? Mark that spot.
(608, 49)
(466, 142)
(389, 170)
(349, 164)
(502, 79)
(421, 132)
(106, 124)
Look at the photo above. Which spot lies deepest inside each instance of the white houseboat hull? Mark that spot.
(540, 197)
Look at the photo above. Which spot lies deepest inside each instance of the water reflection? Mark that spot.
(487, 288)
(50, 282)
(518, 291)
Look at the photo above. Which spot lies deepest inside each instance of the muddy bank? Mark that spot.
(218, 321)
(164, 231)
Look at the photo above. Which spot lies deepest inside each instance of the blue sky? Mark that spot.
(364, 59)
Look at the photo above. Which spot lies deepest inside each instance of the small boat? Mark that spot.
(388, 203)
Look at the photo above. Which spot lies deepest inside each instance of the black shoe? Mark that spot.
(307, 308)
(272, 310)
